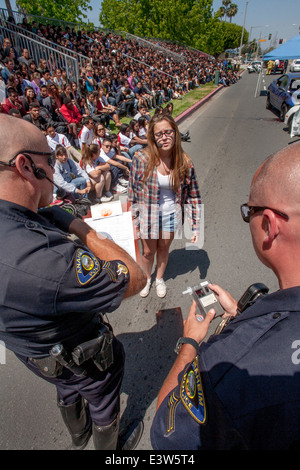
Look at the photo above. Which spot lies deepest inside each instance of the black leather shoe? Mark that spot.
(130, 436)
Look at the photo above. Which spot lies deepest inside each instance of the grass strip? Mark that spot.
(179, 106)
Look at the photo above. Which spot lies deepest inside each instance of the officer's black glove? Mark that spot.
(58, 217)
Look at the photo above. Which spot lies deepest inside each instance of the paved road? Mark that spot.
(231, 136)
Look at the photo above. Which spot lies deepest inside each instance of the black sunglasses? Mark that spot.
(50, 160)
(248, 211)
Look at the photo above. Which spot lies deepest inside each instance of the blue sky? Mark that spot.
(281, 18)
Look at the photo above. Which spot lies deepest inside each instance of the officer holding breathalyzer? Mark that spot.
(241, 389)
(54, 291)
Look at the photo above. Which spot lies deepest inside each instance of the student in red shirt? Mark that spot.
(72, 115)
(12, 101)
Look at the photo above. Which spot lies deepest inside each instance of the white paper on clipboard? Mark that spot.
(119, 228)
(99, 211)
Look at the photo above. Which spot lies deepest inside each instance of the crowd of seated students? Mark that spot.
(76, 116)
(115, 59)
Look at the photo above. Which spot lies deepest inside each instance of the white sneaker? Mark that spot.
(161, 288)
(109, 194)
(123, 181)
(106, 199)
(119, 189)
(144, 292)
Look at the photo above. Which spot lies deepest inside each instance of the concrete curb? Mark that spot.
(197, 105)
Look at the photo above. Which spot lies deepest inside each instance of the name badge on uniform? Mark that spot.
(87, 266)
(191, 392)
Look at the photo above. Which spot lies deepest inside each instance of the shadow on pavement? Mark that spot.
(149, 357)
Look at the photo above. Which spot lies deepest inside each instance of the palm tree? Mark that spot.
(232, 10)
(227, 10)
(222, 12)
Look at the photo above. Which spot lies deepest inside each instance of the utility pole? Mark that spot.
(242, 37)
(9, 8)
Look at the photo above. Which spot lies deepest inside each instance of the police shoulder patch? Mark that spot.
(191, 392)
(87, 266)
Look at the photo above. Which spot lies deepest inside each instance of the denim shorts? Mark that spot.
(167, 222)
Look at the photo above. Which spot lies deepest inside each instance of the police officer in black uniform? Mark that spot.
(54, 291)
(241, 389)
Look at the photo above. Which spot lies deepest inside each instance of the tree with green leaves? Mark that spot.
(175, 20)
(190, 22)
(66, 10)
(232, 35)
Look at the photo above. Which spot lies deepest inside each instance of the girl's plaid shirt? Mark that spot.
(144, 199)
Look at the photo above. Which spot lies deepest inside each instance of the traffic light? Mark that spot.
(280, 41)
(270, 37)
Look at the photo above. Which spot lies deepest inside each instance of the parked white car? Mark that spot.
(292, 120)
(295, 66)
(289, 115)
(255, 66)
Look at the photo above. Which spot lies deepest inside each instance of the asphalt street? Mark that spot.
(230, 136)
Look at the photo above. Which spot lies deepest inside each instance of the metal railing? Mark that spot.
(167, 52)
(150, 66)
(19, 17)
(38, 50)
(58, 56)
(180, 44)
(39, 47)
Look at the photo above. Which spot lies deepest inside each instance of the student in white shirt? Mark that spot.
(117, 153)
(118, 169)
(54, 139)
(86, 134)
(126, 140)
(143, 128)
(99, 134)
(99, 173)
(136, 138)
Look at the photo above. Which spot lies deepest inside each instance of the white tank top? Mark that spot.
(167, 195)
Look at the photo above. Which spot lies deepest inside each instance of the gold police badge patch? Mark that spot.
(191, 392)
(87, 266)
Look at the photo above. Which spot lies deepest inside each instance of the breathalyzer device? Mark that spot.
(205, 298)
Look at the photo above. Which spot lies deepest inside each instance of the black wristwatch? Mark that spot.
(183, 340)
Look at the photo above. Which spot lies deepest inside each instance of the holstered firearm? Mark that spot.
(99, 349)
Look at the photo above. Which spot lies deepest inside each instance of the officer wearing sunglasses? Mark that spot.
(241, 389)
(54, 292)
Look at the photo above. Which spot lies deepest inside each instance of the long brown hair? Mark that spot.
(87, 154)
(180, 161)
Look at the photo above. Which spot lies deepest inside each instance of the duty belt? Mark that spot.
(99, 350)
